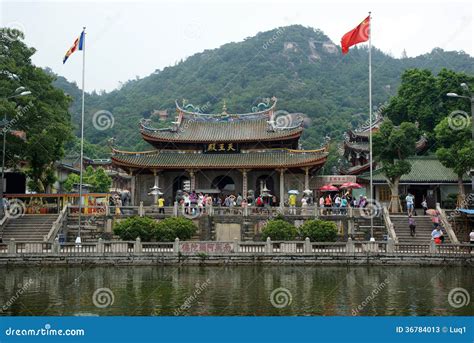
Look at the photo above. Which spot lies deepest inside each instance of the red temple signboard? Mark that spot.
(207, 247)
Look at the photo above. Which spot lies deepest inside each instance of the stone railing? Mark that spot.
(4, 219)
(237, 248)
(389, 224)
(195, 212)
(445, 223)
(57, 225)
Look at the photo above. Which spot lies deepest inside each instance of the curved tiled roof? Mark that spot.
(421, 144)
(256, 159)
(424, 169)
(221, 131)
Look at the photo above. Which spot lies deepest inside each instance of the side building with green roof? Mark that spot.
(428, 178)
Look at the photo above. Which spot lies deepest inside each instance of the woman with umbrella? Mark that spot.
(328, 200)
(292, 200)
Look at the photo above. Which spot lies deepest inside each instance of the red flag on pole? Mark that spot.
(358, 35)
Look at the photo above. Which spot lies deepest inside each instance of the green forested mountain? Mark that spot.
(298, 65)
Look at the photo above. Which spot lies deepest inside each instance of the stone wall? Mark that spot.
(249, 259)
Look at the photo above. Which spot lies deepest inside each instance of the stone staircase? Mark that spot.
(91, 228)
(424, 226)
(29, 227)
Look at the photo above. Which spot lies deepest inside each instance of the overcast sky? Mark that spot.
(128, 39)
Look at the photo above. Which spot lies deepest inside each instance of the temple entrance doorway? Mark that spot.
(225, 184)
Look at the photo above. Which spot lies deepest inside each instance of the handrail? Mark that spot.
(3, 221)
(235, 248)
(447, 226)
(4, 218)
(56, 225)
(389, 225)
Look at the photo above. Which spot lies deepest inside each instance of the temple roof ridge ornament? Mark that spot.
(378, 118)
(263, 108)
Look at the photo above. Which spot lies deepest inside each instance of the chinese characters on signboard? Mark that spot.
(221, 148)
(208, 247)
(334, 179)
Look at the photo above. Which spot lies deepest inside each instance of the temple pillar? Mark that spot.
(132, 187)
(244, 183)
(282, 188)
(192, 176)
(157, 183)
(306, 178)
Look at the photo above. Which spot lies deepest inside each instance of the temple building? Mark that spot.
(221, 154)
(356, 148)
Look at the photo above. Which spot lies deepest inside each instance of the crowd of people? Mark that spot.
(339, 203)
(437, 234)
(331, 204)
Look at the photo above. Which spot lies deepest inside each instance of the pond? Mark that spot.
(237, 290)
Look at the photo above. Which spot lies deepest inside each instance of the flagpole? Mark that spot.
(78, 239)
(370, 125)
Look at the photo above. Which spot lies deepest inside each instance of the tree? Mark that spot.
(279, 230)
(98, 180)
(456, 149)
(391, 147)
(319, 230)
(167, 230)
(43, 115)
(131, 228)
(422, 98)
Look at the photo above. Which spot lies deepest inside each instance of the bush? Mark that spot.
(133, 227)
(279, 230)
(169, 229)
(319, 231)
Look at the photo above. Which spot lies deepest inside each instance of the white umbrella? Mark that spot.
(293, 191)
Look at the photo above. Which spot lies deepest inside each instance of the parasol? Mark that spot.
(329, 188)
(350, 185)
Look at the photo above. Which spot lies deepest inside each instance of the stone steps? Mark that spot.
(423, 230)
(29, 227)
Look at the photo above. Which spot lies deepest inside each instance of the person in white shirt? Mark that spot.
(424, 204)
(337, 203)
(304, 205)
(410, 203)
